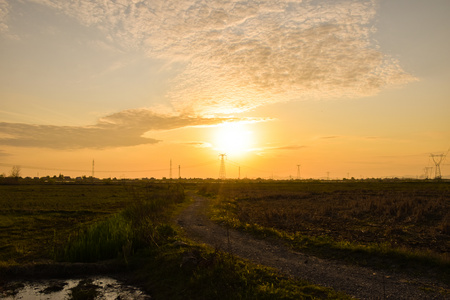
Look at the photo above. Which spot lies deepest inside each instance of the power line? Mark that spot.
(236, 164)
(210, 162)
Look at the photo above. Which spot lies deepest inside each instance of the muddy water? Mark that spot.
(107, 288)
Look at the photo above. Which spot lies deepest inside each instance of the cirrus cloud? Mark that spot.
(239, 55)
(4, 11)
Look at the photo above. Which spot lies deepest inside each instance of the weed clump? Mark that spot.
(142, 224)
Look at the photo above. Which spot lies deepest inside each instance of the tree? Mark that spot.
(15, 172)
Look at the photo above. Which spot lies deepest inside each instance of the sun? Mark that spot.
(233, 138)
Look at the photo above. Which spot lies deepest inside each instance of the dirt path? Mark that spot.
(362, 283)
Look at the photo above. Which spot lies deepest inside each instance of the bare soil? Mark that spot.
(358, 282)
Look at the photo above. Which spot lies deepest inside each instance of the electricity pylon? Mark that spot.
(222, 173)
(428, 171)
(437, 159)
(298, 171)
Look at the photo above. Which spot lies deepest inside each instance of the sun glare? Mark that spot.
(233, 138)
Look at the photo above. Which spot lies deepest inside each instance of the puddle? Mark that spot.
(104, 288)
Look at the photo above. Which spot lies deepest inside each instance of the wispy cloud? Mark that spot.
(239, 55)
(121, 129)
(291, 147)
(330, 137)
(353, 137)
(3, 153)
(199, 144)
(4, 14)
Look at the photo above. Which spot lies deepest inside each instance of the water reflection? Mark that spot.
(106, 288)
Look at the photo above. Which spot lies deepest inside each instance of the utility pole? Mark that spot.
(179, 171)
(93, 169)
(222, 173)
(170, 172)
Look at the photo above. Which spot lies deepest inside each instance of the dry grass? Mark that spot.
(406, 215)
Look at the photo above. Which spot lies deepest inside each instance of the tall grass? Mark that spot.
(36, 219)
(144, 223)
(104, 240)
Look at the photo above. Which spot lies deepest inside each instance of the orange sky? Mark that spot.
(349, 88)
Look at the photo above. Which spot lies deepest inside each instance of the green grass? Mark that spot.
(37, 219)
(143, 223)
(107, 239)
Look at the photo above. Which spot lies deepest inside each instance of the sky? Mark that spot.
(286, 89)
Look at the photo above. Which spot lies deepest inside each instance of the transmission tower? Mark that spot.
(170, 173)
(428, 171)
(298, 171)
(438, 159)
(92, 169)
(222, 173)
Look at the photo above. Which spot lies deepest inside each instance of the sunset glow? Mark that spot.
(233, 139)
(353, 88)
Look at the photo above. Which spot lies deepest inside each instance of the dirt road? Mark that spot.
(359, 282)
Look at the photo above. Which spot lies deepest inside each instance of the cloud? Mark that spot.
(4, 154)
(239, 55)
(289, 147)
(331, 137)
(4, 12)
(279, 148)
(122, 129)
(199, 144)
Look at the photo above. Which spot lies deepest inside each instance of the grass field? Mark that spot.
(131, 224)
(399, 222)
(35, 219)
